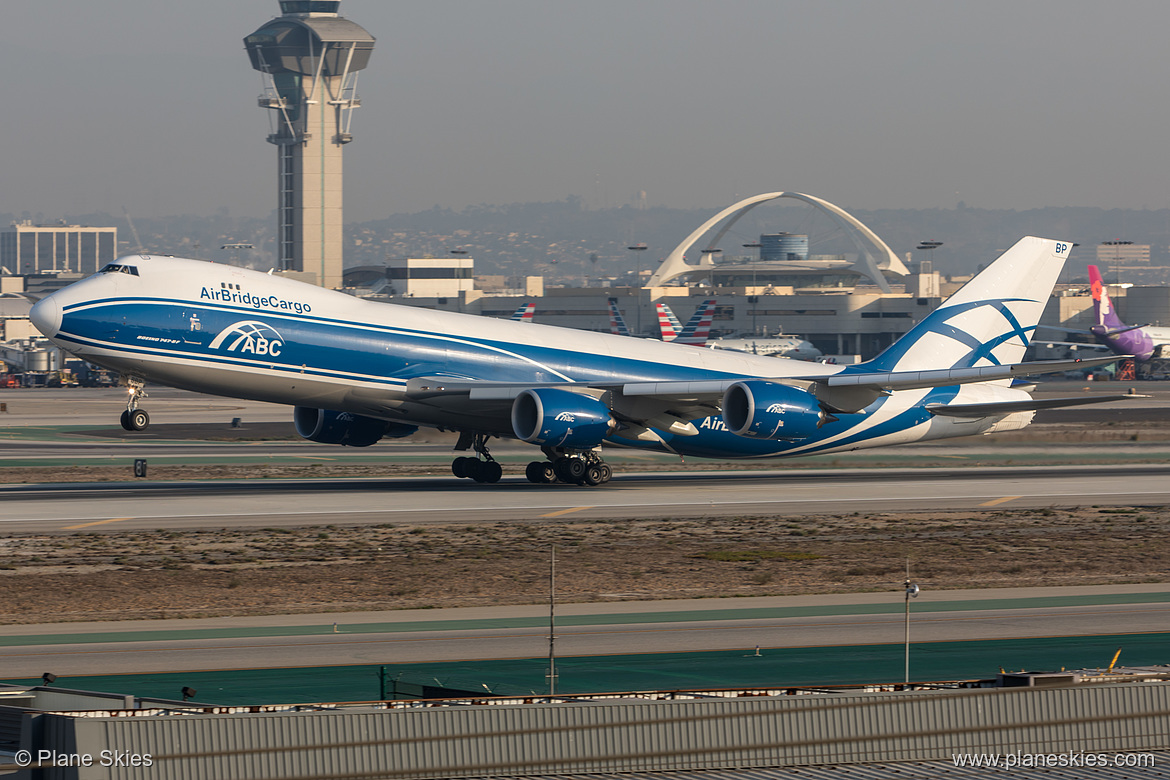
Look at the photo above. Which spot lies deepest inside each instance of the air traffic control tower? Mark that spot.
(310, 57)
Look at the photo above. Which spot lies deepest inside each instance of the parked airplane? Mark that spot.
(697, 329)
(700, 325)
(524, 313)
(776, 346)
(1141, 341)
(359, 371)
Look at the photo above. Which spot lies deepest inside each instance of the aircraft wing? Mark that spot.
(851, 392)
(657, 402)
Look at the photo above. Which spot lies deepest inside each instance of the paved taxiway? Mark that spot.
(417, 636)
(309, 640)
(421, 500)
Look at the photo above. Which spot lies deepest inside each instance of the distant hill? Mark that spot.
(565, 240)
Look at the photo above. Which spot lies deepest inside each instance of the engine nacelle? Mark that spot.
(326, 426)
(765, 410)
(560, 418)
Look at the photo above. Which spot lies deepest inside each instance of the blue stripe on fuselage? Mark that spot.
(349, 351)
(342, 348)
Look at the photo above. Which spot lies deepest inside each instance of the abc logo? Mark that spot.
(251, 337)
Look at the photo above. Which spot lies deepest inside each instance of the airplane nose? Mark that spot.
(46, 315)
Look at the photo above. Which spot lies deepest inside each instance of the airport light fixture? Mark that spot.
(236, 249)
(931, 245)
(48, 678)
(188, 693)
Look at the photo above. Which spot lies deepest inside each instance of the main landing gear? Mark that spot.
(486, 470)
(568, 466)
(135, 419)
(575, 468)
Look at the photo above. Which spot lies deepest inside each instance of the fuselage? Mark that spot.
(228, 331)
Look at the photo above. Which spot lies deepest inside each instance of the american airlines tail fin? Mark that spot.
(698, 327)
(668, 324)
(617, 323)
(989, 321)
(525, 312)
(1104, 315)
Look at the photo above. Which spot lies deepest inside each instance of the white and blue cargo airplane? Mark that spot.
(359, 371)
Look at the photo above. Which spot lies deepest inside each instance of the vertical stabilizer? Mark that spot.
(1110, 330)
(1104, 314)
(668, 324)
(698, 327)
(525, 312)
(617, 323)
(990, 320)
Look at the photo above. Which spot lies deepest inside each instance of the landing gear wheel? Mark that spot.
(486, 470)
(593, 475)
(548, 474)
(575, 469)
(126, 420)
(534, 472)
(460, 467)
(489, 472)
(137, 419)
(606, 472)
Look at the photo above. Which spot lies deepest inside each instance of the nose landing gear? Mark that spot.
(135, 419)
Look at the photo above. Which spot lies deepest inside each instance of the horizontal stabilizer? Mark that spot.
(1007, 407)
(910, 380)
(1082, 331)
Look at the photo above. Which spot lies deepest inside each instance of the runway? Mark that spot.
(423, 500)
(582, 630)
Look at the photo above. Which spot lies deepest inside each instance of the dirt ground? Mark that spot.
(131, 575)
(103, 574)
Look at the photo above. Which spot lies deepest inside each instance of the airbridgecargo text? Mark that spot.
(255, 301)
(1069, 759)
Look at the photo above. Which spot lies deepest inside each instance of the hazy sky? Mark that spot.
(878, 104)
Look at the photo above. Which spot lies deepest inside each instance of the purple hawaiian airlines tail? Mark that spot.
(1108, 327)
(1104, 315)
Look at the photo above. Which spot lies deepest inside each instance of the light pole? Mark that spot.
(552, 622)
(912, 592)
(638, 247)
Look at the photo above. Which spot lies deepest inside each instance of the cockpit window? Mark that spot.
(114, 268)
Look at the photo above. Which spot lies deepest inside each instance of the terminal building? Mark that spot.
(27, 249)
(851, 306)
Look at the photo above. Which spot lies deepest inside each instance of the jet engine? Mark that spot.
(765, 410)
(560, 418)
(326, 426)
